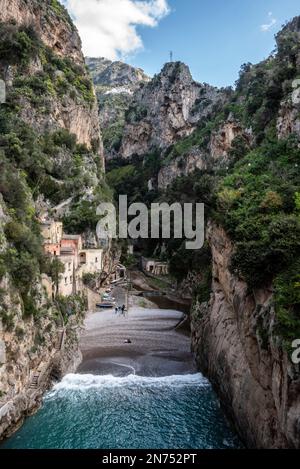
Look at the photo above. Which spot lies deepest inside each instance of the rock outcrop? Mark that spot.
(182, 166)
(235, 347)
(213, 156)
(33, 355)
(34, 350)
(288, 121)
(70, 109)
(51, 21)
(222, 140)
(288, 40)
(166, 109)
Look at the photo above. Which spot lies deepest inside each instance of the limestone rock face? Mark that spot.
(215, 155)
(78, 118)
(288, 121)
(56, 30)
(182, 166)
(235, 347)
(115, 84)
(222, 140)
(31, 349)
(50, 20)
(166, 109)
(29, 356)
(115, 74)
(31, 346)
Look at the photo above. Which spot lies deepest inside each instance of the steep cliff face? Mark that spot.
(182, 166)
(35, 349)
(51, 21)
(51, 156)
(34, 353)
(242, 337)
(221, 141)
(167, 109)
(69, 101)
(210, 156)
(288, 121)
(236, 347)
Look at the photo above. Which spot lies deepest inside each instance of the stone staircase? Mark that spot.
(60, 340)
(35, 381)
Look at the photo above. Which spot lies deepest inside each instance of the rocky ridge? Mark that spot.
(115, 84)
(166, 109)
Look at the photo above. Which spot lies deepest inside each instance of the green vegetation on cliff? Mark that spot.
(55, 75)
(255, 196)
(40, 163)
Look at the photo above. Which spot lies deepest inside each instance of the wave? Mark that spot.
(84, 382)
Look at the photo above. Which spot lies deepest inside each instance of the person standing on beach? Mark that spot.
(123, 310)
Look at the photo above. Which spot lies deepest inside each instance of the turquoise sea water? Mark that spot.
(86, 411)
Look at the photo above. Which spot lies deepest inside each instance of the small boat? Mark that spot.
(108, 298)
(105, 305)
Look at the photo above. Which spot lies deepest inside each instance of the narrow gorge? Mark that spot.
(188, 142)
(76, 132)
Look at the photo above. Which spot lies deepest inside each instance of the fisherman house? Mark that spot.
(69, 250)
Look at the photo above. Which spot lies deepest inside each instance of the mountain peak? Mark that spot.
(115, 74)
(176, 71)
(292, 26)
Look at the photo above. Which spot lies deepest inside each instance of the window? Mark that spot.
(96, 260)
(66, 280)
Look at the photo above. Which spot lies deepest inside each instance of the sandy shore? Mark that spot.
(156, 348)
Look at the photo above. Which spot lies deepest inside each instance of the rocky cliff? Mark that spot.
(70, 82)
(237, 152)
(37, 347)
(51, 21)
(168, 126)
(242, 337)
(211, 155)
(115, 83)
(236, 347)
(51, 156)
(166, 109)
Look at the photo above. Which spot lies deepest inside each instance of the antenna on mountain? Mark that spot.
(171, 56)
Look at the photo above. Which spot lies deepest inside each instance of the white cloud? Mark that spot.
(272, 21)
(108, 28)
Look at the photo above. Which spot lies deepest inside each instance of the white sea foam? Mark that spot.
(84, 382)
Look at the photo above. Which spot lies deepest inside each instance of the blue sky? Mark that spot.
(214, 37)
